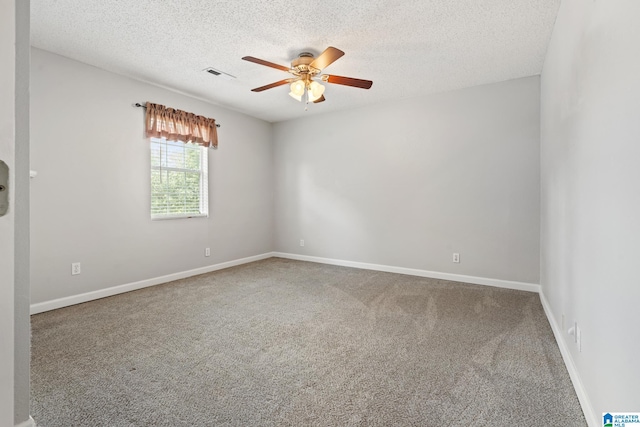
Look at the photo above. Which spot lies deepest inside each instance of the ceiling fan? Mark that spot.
(306, 72)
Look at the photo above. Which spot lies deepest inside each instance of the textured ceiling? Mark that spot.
(408, 48)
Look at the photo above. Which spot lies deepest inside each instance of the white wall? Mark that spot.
(408, 183)
(90, 200)
(7, 222)
(590, 205)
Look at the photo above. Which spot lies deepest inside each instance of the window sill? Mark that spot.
(164, 217)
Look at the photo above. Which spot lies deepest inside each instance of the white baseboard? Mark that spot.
(591, 417)
(29, 423)
(521, 286)
(102, 293)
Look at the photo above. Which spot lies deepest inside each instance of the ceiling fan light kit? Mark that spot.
(297, 90)
(307, 71)
(316, 90)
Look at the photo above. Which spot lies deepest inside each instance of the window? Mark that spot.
(179, 179)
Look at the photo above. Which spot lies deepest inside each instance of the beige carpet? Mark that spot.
(289, 343)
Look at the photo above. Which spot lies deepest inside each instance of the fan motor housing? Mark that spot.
(301, 64)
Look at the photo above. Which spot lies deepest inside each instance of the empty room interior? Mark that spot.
(203, 225)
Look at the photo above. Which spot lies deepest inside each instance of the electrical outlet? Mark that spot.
(456, 257)
(301, 242)
(207, 251)
(75, 268)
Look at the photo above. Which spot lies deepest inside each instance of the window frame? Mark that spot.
(203, 182)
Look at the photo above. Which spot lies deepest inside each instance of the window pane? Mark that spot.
(163, 155)
(192, 180)
(175, 181)
(155, 155)
(175, 156)
(192, 159)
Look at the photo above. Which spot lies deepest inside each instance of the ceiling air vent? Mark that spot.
(219, 73)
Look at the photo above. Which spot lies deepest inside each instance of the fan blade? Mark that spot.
(326, 58)
(321, 99)
(272, 85)
(347, 81)
(266, 63)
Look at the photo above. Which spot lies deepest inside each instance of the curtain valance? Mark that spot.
(178, 125)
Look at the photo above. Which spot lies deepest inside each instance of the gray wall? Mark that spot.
(14, 226)
(590, 205)
(22, 295)
(408, 183)
(7, 222)
(90, 200)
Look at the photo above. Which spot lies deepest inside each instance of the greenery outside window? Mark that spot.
(179, 180)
